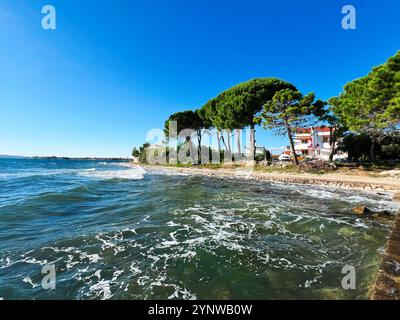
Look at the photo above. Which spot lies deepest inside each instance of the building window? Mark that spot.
(325, 139)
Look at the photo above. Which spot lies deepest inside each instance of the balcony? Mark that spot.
(303, 146)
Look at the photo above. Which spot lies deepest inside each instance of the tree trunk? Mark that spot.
(239, 149)
(290, 136)
(372, 156)
(227, 151)
(332, 139)
(252, 142)
(229, 146)
(199, 140)
(333, 150)
(223, 141)
(219, 146)
(229, 143)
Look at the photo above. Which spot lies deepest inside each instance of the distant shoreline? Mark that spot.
(65, 158)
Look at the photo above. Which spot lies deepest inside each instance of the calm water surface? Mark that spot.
(117, 232)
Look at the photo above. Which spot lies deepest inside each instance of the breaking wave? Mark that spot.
(136, 173)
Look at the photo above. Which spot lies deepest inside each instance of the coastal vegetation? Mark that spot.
(358, 147)
(236, 108)
(135, 153)
(363, 120)
(288, 110)
(370, 106)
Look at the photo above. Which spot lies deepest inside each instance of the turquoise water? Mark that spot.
(117, 232)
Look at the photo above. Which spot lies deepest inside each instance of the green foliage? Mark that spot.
(235, 108)
(266, 156)
(389, 148)
(324, 112)
(371, 104)
(192, 120)
(358, 147)
(143, 152)
(232, 109)
(206, 123)
(185, 120)
(135, 152)
(288, 110)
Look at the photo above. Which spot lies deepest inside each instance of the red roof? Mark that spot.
(308, 130)
(322, 129)
(303, 130)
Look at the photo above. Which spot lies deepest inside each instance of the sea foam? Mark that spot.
(136, 173)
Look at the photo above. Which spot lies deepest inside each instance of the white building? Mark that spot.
(314, 142)
(260, 151)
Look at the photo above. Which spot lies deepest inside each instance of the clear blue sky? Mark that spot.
(115, 69)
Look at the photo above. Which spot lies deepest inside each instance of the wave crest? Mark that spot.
(136, 173)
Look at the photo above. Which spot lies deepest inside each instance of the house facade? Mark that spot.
(314, 142)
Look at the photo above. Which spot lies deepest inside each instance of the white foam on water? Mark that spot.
(5, 262)
(34, 261)
(172, 224)
(29, 281)
(121, 164)
(26, 173)
(102, 289)
(134, 270)
(134, 173)
(166, 172)
(68, 249)
(377, 200)
(309, 283)
(181, 293)
(69, 263)
(251, 227)
(93, 258)
(8, 262)
(117, 164)
(128, 173)
(116, 275)
(141, 281)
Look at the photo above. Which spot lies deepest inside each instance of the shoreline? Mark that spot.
(338, 180)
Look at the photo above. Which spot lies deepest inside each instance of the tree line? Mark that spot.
(367, 109)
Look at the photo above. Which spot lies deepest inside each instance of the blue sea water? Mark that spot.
(113, 231)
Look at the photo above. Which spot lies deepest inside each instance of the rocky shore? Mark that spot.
(387, 284)
(381, 184)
